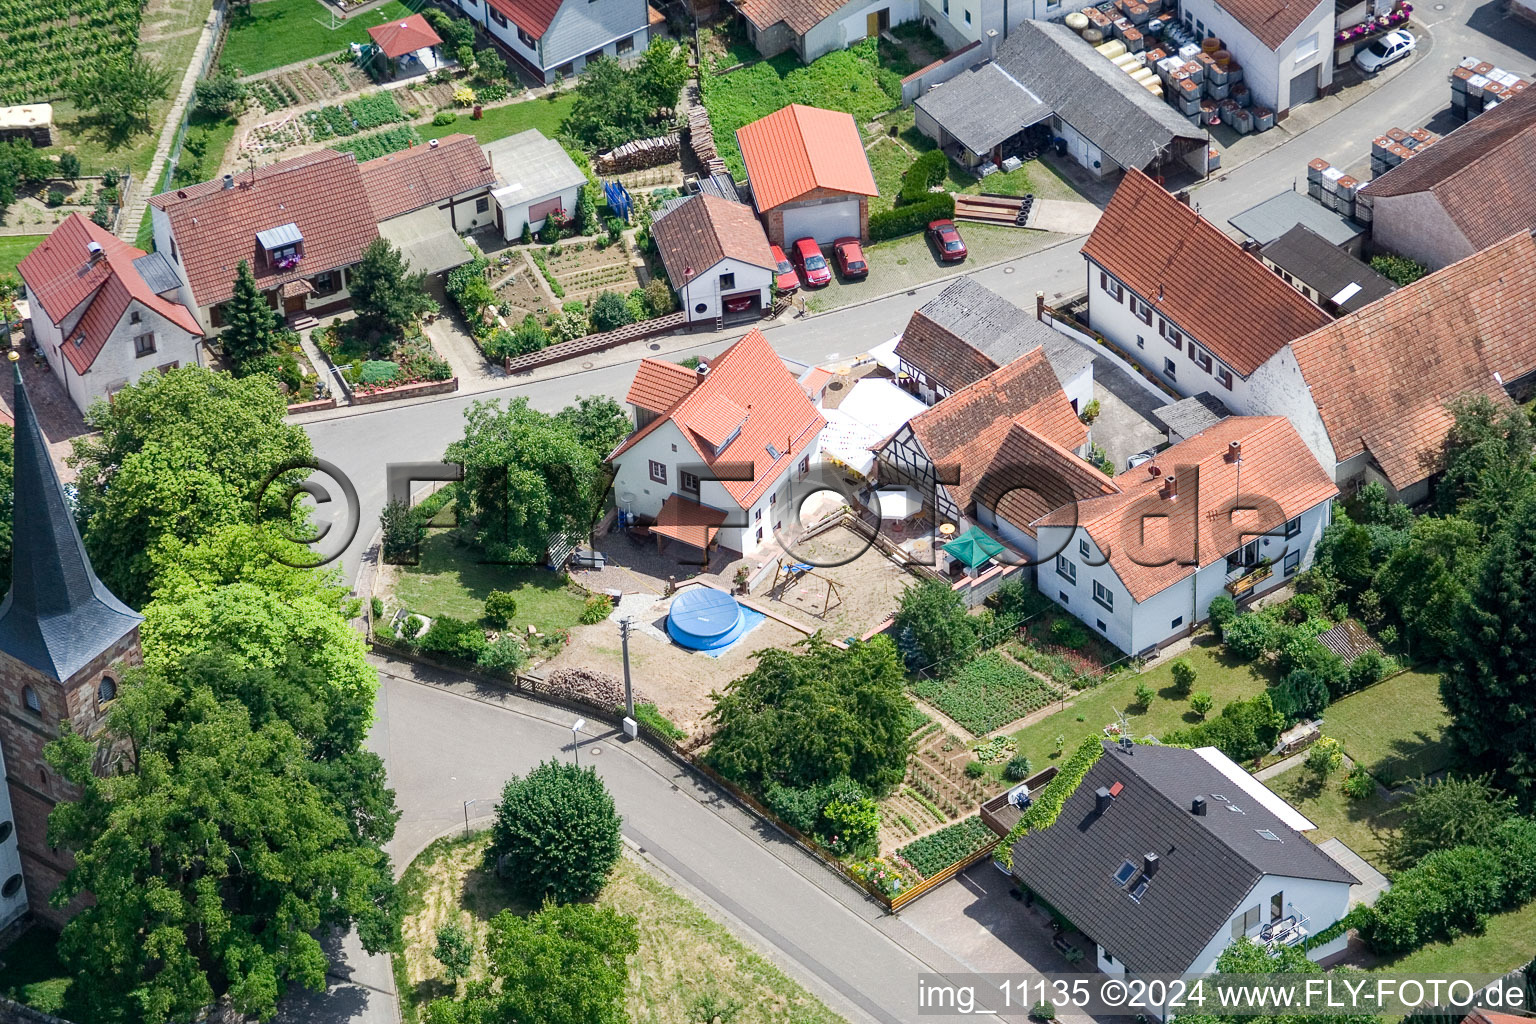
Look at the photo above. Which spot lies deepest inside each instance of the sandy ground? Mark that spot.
(869, 586)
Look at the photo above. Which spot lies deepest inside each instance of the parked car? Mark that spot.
(1140, 457)
(739, 303)
(1392, 47)
(946, 239)
(850, 258)
(783, 274)
(811, 263)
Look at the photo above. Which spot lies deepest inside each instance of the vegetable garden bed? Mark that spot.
(987, 693)
(937, 851)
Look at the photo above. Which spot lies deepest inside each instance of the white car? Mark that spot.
(1393, 46)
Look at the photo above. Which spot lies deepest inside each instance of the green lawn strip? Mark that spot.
(275, 33)
(1395, 728)
(145, 237)
(987, 693)
(32, 973)
(14, 249)
(1225, 678)
(202, 149)
(450, 580)
(1365, 826)
(1506, 943)
(544, 113)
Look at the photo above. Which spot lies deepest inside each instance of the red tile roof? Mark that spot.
(970, 425)
(1031, 476)
(687, 521)
(800, 15)
(706, 229)
(659, 385)
(532, 16)
(1272, 21)
(1381, 377)
(59, 273)
(1481, 174)
(1197, 277)
(215, 227)
(797, 149)
(1139, 525)
(750, 375)
(399, 38)
(422, 175)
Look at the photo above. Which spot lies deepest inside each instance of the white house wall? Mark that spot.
(160, 221)
(1321, 902)
(1278, 388)
(851, 24)
(1079, 390)
(116, 364)
(1267, 72)
(515, 214)
(704, 288)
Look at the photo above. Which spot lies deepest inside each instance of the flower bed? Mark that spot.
(1373, 27)
(369, 394)
(938, 850)
(885, 877)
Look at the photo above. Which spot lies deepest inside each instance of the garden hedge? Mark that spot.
(904, 220)
(926, 171)
(1050, 800)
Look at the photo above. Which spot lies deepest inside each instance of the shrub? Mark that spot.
(411, 626)
(1090, 411)
(558, 833)
(443, 117)
(500, 608)
(1448, 894)
(1370, 667)
(1222, 610)
(379, 371)
(1245, 729)
(974, 770)
(1144, 695)
(1069, 633)
(464, 96)
(1325, 757)
(455, 950)
(453, 638)
(504, 654)
(852, 827)
(1300, 695)
(1184, 675)
(1359, 784)
(934, 627)
(658, 297)
(610, 312)
(376, 607)
(1017, 769)
(649, 716)
(1249, 636)
(595, 610)
(1201, 704)
(1400, 270)
(903, 220)
(527, 235)
(56, 197)
(926, 171)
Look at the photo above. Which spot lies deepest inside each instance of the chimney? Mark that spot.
(1182, 197)
(1102, 798)
(229, 181)
(97, 253)
(991, 42)
(1197, 807)
(1234, 451)
(433, 143)
(701, 371)
(1149, 865)
(1171, 487)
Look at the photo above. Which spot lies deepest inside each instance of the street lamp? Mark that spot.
(576, 740)
(466, 816)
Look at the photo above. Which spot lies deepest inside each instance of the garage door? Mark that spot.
(823, 223)
(1304, 87)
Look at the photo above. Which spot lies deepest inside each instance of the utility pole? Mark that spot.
(626, 625)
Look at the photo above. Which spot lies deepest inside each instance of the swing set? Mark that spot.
(786, 575)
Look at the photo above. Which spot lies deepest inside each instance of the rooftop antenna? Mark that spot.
(1125, 729)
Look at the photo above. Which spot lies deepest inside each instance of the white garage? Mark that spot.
(534, 178)
(824, 222)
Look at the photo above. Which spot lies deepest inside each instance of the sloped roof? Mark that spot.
(1197, 277)
(969, 426)
(1340, 277)
(416, 177)
(1031, 476)
(1271, 21)
(1095, 97)
(683, 519)
(1011, 107)
(1381, 377)
(967, 331)
(705, 229)
(215, 227)
(530, 167)
(659, 385)
(1153, 540)
(398, 38)
(800, 15)
(1206, 864)
(1276, 215)
(751, 376)
(1481, 174)
(57, 616)
(797, 148)
(532, 16)
(60, 274)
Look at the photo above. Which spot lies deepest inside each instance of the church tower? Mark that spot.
(64, 641)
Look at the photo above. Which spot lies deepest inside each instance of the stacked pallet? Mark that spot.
(639, 154)
(1476, 86)
(994, 209)
(1397, 145)
(701, 139)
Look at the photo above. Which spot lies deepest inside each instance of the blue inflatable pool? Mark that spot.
(705, 619)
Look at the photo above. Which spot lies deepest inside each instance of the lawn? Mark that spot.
(451, 581)
(14, 249)
(1224, 677)
(544, 113)
(1366, 826)
(202, 149)
(31, 973)
(268, 35)
(1395, 729)
(685, 961)
(1506, 943)
(850, 80)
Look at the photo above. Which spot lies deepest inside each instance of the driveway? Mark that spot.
(1125, 425)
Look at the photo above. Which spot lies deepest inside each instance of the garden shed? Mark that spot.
(534, 178)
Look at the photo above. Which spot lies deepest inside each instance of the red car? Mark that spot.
(813, 265)
(739, 303)
(784, 274)
(850, 258)
(946, 238)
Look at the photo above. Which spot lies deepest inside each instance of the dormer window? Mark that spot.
(284, 245)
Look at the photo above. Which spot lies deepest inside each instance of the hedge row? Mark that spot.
(1050, 800)
(904, 220)
(926, 171)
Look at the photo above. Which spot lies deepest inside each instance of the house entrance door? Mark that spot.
(877, 21)
(293, 304)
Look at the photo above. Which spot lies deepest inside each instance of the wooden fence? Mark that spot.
(932, 882)
(592, 343)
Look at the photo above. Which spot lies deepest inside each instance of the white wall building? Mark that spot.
(716, 257)
(1285, 48)
(534, 178)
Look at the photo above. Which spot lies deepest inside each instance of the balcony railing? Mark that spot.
(1247, 579)
(1288, 931)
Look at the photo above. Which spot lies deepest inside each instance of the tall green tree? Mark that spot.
(608, 111)
(1488, 460)
(1425, 583)
(1489, 682)
(219, 843)
(20, 164)
(562, 965)
(598, 421)
(178, 457)
(385, 293)
(527, 476)
(120, 93)
(1446, 812)
(661, 73)
(557, 830)
(250, 325)
(805, 718)
(933, 628)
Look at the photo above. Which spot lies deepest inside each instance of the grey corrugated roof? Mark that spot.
(1311, 258)
(1278, 214)
(283, 234)
(529, 166)
(721, 184)
(1093, 95)
(426, 239)
(57, 616)
(983, 107)
(1207, 865)
(1000, 330)
(1188, 416)
(157, 272)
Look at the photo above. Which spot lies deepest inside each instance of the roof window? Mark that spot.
(1124, 874)
(1265, 833)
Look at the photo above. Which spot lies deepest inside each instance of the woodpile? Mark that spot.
(638, 155)
(701, 139)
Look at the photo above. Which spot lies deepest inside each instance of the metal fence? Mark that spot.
(220, 12)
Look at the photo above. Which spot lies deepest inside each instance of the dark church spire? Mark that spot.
(58, 616)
